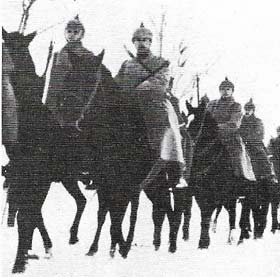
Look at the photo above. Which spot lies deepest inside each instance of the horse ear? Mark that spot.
(30, 37)
(4, 34)
(101, 56)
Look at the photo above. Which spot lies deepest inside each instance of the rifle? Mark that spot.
(152, 72)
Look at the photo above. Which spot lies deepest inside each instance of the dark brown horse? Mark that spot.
(212, 180)
(167, 198)
(27, 173)
(35, 160)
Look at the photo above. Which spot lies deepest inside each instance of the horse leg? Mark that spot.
(44, 187)
(263, 211)
(73, 189)
(133, 218)
(218, 211)
(231, 208)
(24, 236)
(117, 213)
(275, 224)
(187, 215)
(44, 234)
(174, 224)
(175, 217)
(244, 222)
(158, 218)
(206, 210)
(12, 199)
(101, 216)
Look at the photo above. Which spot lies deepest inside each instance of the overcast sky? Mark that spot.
(238, 39)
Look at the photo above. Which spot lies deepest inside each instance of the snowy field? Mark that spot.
(253, 258)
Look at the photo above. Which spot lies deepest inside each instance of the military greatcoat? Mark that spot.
(150, 100)
(71, 84)
(252, 133)
(274, 150)
(227, 114)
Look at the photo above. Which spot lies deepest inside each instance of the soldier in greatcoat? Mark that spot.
(252, 133)
(228, 113)
(144, 81)
(72, 82)
(274, 153)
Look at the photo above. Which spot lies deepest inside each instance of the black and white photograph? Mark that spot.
(140, 138)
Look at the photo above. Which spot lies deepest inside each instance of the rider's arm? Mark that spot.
(260, 130)
(159, 81)
(233, 124)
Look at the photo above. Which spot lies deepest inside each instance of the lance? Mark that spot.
(197, 89)
(49, 58)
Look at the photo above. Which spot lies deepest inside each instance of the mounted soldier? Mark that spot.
(75, 98)
(274, 151)
(144, 82)
(71, 90)
(252, 133)
(228, 113)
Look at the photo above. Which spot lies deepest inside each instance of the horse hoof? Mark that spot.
(48, 253)
(90, 253)
(186, 236)
(240, 241)
(275, 227)
(73, 240)
(157, 247)
(172, 249)
(112, 253)
(214, 228)
(19, 266)
(123, 252)
(203, 244)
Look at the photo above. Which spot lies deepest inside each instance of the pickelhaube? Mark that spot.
(250, 105)
(142, 32)
(226, 84)
(76, 24)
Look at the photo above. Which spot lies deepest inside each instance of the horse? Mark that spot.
(125, 161)
(27, 175)
(162, 193)
(167, 197)
(37, 155)
(213, 183)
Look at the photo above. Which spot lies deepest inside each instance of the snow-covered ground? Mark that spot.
(253, 258)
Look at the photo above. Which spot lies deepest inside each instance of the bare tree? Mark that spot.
(26, 6)
(160, 31)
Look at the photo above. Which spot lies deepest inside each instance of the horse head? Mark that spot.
(17, 45)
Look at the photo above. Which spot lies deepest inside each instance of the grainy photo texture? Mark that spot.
(140, 138)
